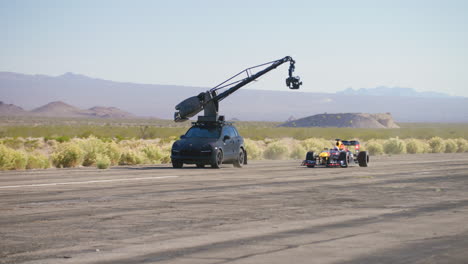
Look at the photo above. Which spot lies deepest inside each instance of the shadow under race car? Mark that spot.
(340, 156)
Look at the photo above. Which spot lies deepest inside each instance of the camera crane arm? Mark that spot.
(209, 100)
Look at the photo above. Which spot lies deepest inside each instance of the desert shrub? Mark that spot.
(113, 151)
(37, 160)
(276, 151)
(92, 147)
(62, 139)
(450, 146)
(394, 146)
(298, 152)
(166, 152)
(32, 144)
(13, 143)
(437, 145)
(316, 144)
(11, 159)
(153, 153)
(254, 151)
(130, 157)
(414, 146)
(374, 147)
(67, 155)
(462, 145)
(102, 161)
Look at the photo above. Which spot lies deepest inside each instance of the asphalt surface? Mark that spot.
(401, 209)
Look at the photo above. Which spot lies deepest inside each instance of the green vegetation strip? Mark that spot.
(64, 152)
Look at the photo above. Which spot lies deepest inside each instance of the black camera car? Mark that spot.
(209, 143)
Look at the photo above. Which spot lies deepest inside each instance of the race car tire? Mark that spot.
(343, 157)
(310, 166)
(310, 155)
(363, 158)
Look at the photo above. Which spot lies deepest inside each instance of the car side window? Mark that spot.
(232, 132)
(235, 131)
(225, 132)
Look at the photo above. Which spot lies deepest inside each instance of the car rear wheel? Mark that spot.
(217, 159)
(240, 159)
(363, 158)
(177, 164)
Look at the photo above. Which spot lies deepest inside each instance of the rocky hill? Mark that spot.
(11, 110)
(61, 109)
(356, 120)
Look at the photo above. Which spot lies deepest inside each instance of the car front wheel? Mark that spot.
(217, 159)
(177, 164)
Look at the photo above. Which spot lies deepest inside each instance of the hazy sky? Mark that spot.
(336, 44)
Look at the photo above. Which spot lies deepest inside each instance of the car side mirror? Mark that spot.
(182, 136)
(226, 137)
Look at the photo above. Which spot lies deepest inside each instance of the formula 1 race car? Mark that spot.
(339, 156)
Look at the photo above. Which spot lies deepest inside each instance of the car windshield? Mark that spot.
(203, 132)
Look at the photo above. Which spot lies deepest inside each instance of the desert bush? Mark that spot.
(316, 144)
(31, 144)
(92, 147)
(67, 155)
(13, 143)
(153, 153)
(394, 146)
(298, 152)
(113, 151)
(166, 152)
(254, 151)
(11, 159)
(414, 146)
(102, 161)
(374, 147)
(276, 151)
(462, 145)
(437, 145)
(37, 160)
(450, 146)
(130, 157)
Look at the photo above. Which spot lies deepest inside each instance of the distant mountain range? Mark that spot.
(152, 100)
(392, 91)
(61, 109)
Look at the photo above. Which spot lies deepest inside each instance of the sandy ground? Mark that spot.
(401, 209)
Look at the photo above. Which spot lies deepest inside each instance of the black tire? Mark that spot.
(177, 164)
(343, 157)
(217, 159)
(239, 162)
(363, 158)
(199, 165)
(310, 166)
(310, 155)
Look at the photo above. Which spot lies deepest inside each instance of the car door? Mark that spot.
(237, 141)
(228, 144)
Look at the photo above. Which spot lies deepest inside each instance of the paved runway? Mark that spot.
(401, 209)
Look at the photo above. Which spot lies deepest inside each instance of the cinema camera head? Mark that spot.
(293, 82)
